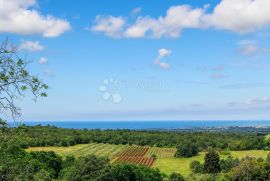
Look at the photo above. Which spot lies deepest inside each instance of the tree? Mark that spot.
(129, 172)
(212, 162)
(248, 169)
(15, 80)
(86, 168)
(187, 149)
(229, 163)
(176, 177)
(196, 167)
(51, 161)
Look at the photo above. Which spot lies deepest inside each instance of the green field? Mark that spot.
(98, 149)
(165, 156)
(181, 165)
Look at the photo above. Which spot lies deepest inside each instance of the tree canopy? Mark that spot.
(15, 80)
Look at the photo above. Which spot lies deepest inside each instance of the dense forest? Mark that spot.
(53, 136)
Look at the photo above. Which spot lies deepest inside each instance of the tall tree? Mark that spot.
(212, 162)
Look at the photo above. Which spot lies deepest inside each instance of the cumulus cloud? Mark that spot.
(42, 60)
(31, 46)
(22, 17)
(162, 53)
(109, 25)
(240, 16)
(171, 25)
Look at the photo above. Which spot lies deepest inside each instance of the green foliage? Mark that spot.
(176, 177)
(16, 164)
(15, 80)
(52, 162)
(86, 168)
(154, 156)
(212, 162)
(187, 149)
(196, 167)
(42, 175)
(53, 136)
(249, 169)
(225, 152)
(227, 164)
(128, 172)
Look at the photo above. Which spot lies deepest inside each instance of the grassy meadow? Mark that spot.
(165, 161)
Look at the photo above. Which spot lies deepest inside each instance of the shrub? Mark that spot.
(248, 169)
(187, 149)
(176, 177)
(211, 162)
(129, 172)
(196, 167)
(227, 164)
(86, 168)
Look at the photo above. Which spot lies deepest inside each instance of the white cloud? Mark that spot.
(136, 10)
(31, 46)
(240, 16)
(253, 102)
(257, 102)
(42, 60)
(159, 60)
(250, 47)
(22, 17)
(164, 52)
(171, 25)
(109, 25)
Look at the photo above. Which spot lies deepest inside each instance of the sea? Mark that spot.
(142, 125)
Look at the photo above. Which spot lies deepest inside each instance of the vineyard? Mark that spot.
(135, 155)
(98, 149)
(116, 153)
(161, 152)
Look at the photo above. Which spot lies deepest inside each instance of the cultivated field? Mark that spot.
(161, 152)
(165, 160)
(117, 153)
(98, 149)
(135, 154)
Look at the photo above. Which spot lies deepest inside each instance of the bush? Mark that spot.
(154, 156)
(211, 162)
(187, 149)
(228, 164)
(176, 177)
(128, 172)
(196, 167)
(52, 162)
(86, 168)
(225, 152)
(248, 169)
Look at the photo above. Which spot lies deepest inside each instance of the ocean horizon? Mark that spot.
(137, 125)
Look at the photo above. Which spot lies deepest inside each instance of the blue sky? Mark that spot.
(144, 60)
